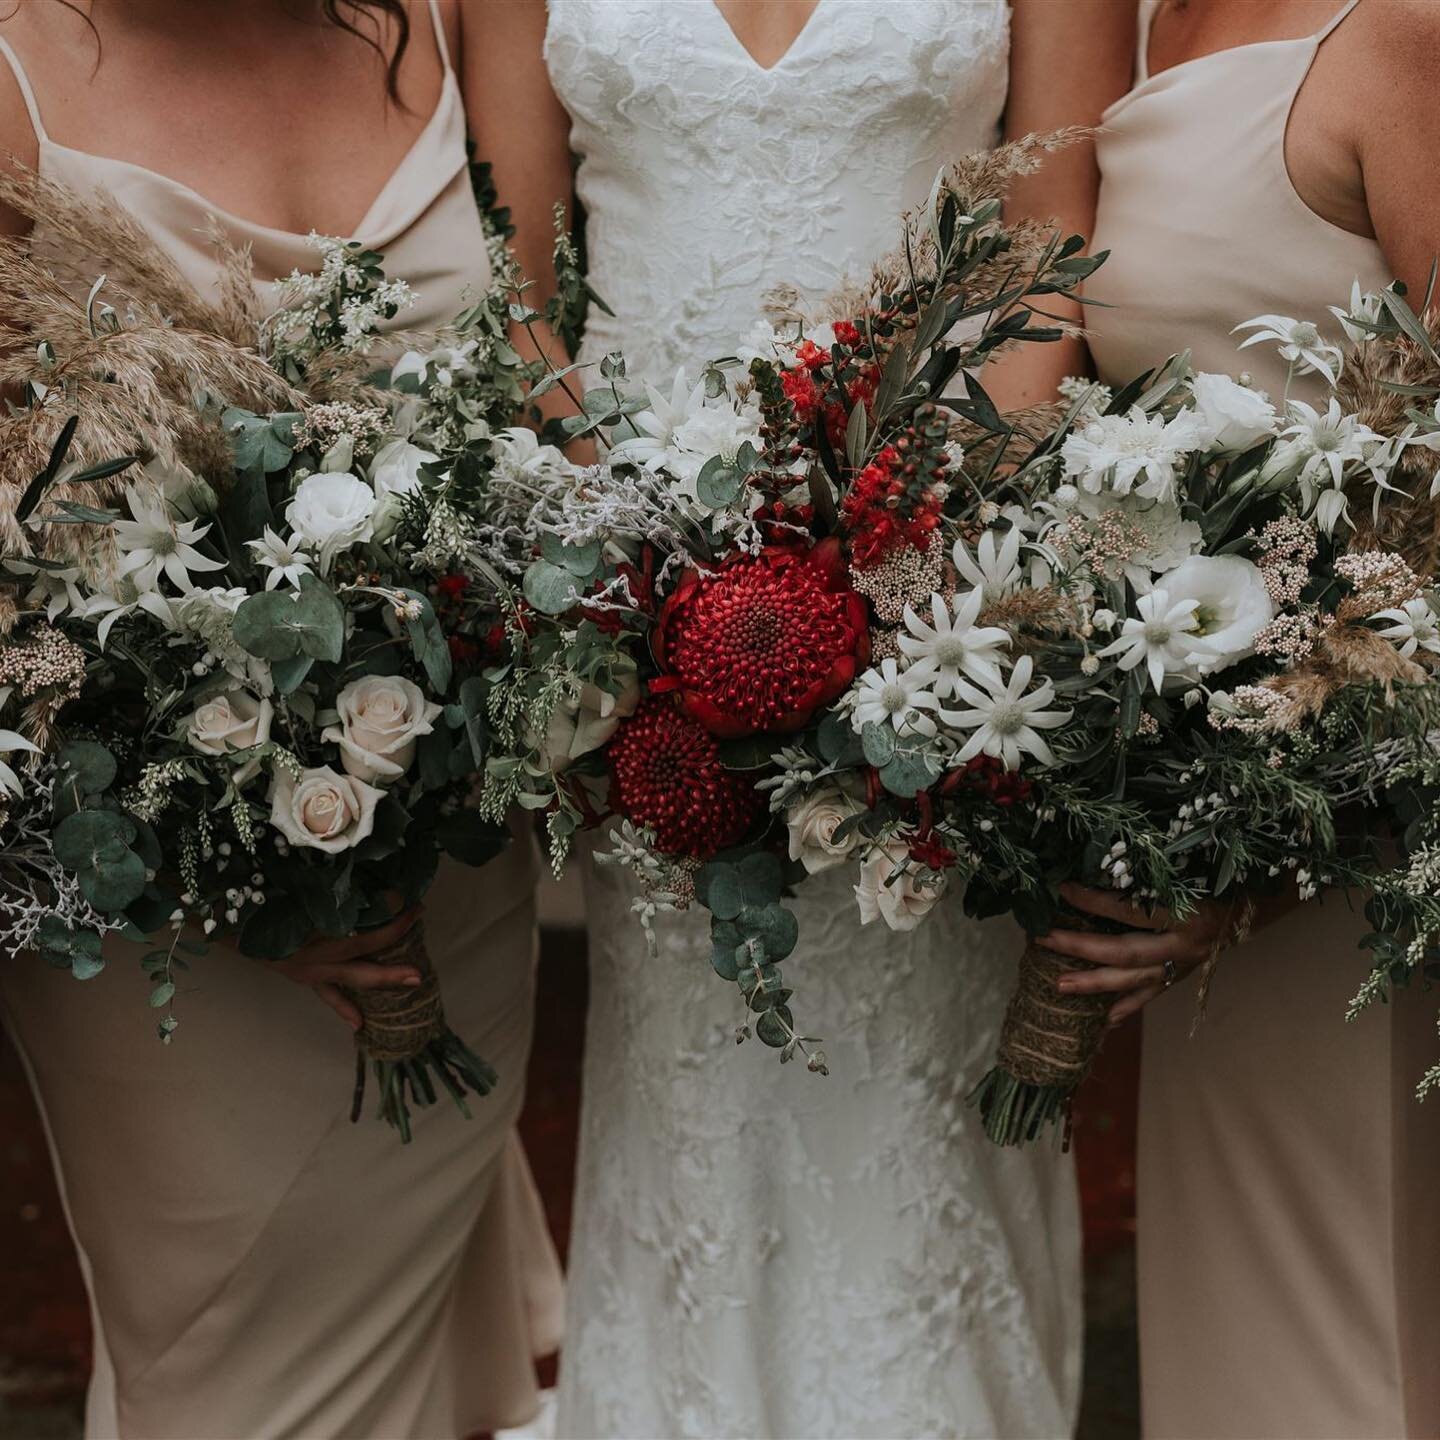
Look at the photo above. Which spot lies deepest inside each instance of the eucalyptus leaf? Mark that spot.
(551, 589)
(276, 625)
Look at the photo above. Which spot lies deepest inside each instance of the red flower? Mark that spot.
(888, 507)
(452, 587)
(811, 356)
(667, 774)
(987, 776)
(932, 854)
(847, 333)
(762, 643)
(802, 392)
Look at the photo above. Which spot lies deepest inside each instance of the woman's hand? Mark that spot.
(1139, 966)
(331, 967)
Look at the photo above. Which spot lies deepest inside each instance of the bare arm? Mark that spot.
(1068, 60)
(520, 127)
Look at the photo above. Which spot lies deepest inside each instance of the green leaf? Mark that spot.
(428, 643)
(162, 994)
(550, 588)
(908, 773)
(273, 625)
(749, 752)
(88, 838)
(261, 443)
(838, 742)
(86, 766)
(245, 512)
(276, 930)
(719, 889)
(762, 878)
(774, 1027)
(37, 487)
(470, 839)
(581, 561)
(774, 925)
(724, 943)
(78, 951)
(290, 674)
(879, 743)
(719, 483)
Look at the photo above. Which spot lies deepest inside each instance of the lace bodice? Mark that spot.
(707, 179)
(761, 1251)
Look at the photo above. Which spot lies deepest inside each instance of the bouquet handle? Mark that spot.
(1048, 1041)
(407, 1044)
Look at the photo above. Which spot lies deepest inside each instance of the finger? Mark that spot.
(352, 974)
(372, 942)
(1112, 905)
(1107, 979)
(1133, 1003)
(1125, 950)
(341, 1004)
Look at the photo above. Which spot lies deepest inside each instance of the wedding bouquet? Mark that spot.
(237, 696)
(827, 606)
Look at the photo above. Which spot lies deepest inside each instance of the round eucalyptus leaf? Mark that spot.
(88, 766)
(879, 743)
(580, 560)
(720, 890)
(907, 774)
(77, 951)
(774, 1026)
(762, 877)
(117, 881)
(718, 483)
(773, 925)
(280, 625)
(724, 948)
(550, 588)
(87, 839)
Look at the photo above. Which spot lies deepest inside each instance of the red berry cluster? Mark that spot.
(987, 776)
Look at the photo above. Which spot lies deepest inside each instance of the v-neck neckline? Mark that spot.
(749, 54)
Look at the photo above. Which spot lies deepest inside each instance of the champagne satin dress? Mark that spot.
(1289, 1255)
(257, 1265)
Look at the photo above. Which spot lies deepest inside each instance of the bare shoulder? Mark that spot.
(19, 144)
(1397, 39)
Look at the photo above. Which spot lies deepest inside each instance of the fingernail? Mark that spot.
(1064, 982)
(412, 981)
(357, 1024)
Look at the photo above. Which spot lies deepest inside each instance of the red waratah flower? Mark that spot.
(761, 644)
(666, 773)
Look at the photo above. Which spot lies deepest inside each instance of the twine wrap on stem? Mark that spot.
(399, 1024)
(1048, 1041)
(406, 1042)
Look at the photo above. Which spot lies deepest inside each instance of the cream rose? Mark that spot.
(396, 468)
(1237, 416)
(381, 718)
(812, 825)
(903, 901)
(579, 726)
(332, 511)
(233, 721)
(323, 810)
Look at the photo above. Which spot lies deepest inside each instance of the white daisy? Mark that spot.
(1313, 453)
(1163, 638)
(1300, 343)
(888, 695)
(1137, 452)
(286, 560)
(994, 569)
(127, 594)
(152, 542)
(1006, 721)
(1366, 309)
(1415, 627)
(679, 433)
(954, 644)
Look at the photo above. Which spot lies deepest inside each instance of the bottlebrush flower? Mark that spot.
(885, 509)
(666, 774)
(765, 641)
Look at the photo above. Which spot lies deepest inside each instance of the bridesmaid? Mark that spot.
(257, 1266)
(1267, 156)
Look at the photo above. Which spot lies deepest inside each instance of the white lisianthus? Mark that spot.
(1232, 606)
(1237, 416)
(381, 719)
(235, 720)
(893, 889)
(579, 726)
(332, 511)
(1137, 452)
(323, 810)
(812, 823)
(395, 469)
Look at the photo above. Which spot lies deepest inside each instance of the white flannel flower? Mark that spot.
(994, 570)
(888, 695)
(954, 644)
(54, 591)
(1007, 722)
(1300, 343)
(151, 542)
(1164, 637)
(1414, 626)
(1313, 453)
(284, 559)
(1366, 307)
(679, 433)
(1137, 452)
(10, 742)
(125, 596)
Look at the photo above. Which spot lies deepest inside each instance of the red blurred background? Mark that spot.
(44, 1318)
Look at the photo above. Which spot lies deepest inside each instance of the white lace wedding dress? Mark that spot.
(763, 1251)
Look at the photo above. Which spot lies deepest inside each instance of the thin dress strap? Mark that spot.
(440, 40)
(1321, 36)
(1144, 20)
(27, 92)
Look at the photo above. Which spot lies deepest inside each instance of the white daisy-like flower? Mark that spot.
(151, 542)
(994, 570)
(888, 695)
(1300, 343)
(10, 742)
(1366, 307)
(54, 591)
(1313, 453)
(286, 560)
(954, 645)
(1163, 637)
(1137, 452)
(683, 430)
(127, 594)
(1005, 719)
(1414, 626)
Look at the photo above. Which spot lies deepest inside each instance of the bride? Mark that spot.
(761, 1251)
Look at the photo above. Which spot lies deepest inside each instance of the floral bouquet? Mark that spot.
(828, 607)
(238, 700)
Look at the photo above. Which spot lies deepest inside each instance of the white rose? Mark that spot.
(332, 511)
(233, 721)
(1234, 607)
(578, 727)
(381, 717)
(812, 825)
(323, 810)
(902, 903)
(1238, 416)
(396, 468)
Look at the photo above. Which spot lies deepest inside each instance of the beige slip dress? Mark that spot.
(258, 1266)
(1289, 1251)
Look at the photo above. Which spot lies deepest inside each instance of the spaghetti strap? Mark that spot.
(1320, 38)
(27, 92)
(1144, 23)
(442, 44)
